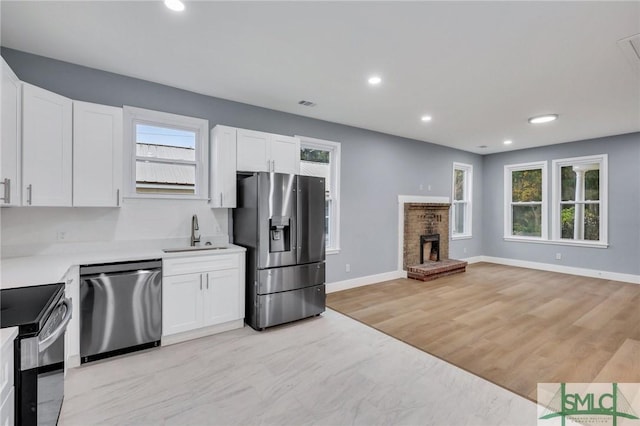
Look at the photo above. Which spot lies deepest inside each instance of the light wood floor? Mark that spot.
(515, 327)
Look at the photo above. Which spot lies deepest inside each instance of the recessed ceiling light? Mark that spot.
(175, 5)
(375, 80)
(543, 118)
(508, 142)
(426, 118)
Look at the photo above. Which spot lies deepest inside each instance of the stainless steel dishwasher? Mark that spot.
(120, 308)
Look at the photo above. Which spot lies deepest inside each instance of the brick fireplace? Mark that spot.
(420, 220)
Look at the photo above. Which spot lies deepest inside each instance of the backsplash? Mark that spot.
(33, 229)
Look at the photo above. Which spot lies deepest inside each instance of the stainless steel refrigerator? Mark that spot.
(280, 220)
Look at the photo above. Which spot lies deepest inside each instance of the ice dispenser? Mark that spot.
(279, 235)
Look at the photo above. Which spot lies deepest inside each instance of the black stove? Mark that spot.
(28, 307)
(41, 314)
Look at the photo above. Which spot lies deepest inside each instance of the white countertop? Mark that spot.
(49, 268)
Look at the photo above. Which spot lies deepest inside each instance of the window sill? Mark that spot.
(559, 242)
(461, 237)
(332, 251)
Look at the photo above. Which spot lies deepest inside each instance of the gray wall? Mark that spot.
(376, 167)
(623, 253)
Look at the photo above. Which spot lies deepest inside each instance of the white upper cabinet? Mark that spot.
(223, 167)
(253, 151)
(267, 152)
(46, 147)
(11, 119)
(97, 155)
(285, 154)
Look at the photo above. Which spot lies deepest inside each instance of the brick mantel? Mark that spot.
(422, 219)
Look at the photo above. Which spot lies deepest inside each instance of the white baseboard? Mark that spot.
(360, 281)
(583, 272)
(474, 259)
(172, 339)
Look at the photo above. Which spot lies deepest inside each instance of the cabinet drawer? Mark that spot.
(6, 370)
(194, 264)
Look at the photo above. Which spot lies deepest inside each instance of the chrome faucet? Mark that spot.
(194, 228)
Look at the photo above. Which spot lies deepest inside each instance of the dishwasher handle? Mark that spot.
(84, 278)
(109, 268)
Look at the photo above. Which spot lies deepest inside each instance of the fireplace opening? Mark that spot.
(430, 246)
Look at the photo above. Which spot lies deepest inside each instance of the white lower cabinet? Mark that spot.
(202, 294)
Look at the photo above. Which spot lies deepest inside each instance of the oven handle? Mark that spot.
(48, 341)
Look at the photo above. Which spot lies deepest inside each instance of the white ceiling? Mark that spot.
(479, 68)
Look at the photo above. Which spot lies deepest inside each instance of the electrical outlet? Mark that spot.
(558, 256)
(421, 187)
(428, 187)
(62, 235)
(464, 249)
(347, 268)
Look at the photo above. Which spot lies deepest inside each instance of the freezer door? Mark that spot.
(290, 278)
(276, 220)
(287, 306)
(311, 218)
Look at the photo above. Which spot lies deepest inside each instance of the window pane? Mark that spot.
(459, 210)
(458, 193)
(588, 224)
(567, 219)
(592, 185)
(568, 183)
(527, 220)
(526, 185)
(592, 222)
(166, 143)
(315, 155)
(165, 178)
(327, 228)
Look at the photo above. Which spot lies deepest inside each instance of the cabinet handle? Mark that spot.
(7, 191)
(207, 281)
(221, 203)
(118, 197)
(29, 193)
(273, 165)
(200, 281)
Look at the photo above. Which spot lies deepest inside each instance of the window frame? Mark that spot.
(133, 116)
(508, 201)
(334, 148)
(556, 233)
(467, 170)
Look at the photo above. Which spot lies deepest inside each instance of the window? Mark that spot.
(525, 201)
(580, 199)
(461, 205)
(322, 158)
(166, 154)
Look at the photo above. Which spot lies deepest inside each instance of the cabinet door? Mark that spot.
(181, 303)
(46, 147)
(252, 151)
(223, 300)
(285, 154)
(223, 167)
(11, 103)
(97, 155)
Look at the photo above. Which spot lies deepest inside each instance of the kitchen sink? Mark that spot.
(198, 248)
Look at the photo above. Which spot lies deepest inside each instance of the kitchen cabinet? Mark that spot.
(46, 147)
(267, 152)
(202, 293)
(222, 167)
(97, 155)
(11, 134)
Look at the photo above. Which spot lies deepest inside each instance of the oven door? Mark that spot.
(42, 384)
